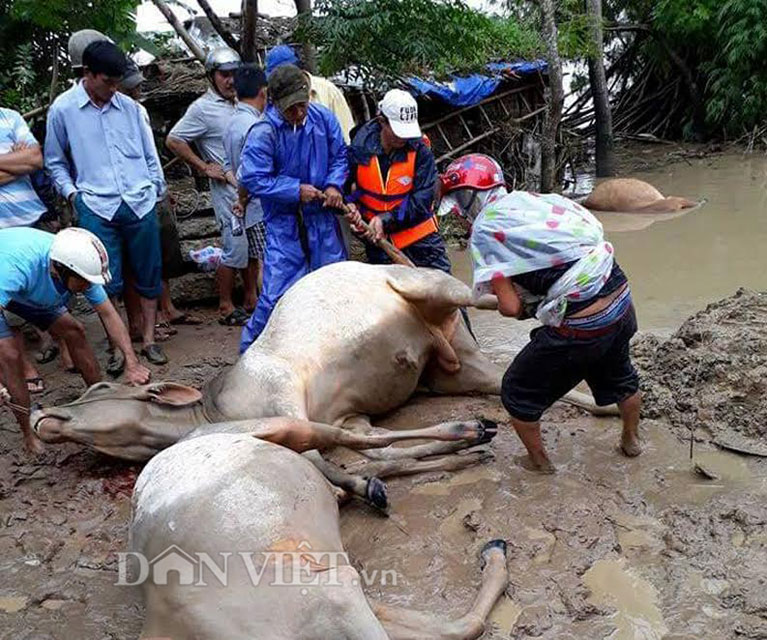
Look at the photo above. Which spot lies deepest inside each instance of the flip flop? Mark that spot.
(187, 318)
(35, 385)
(116, 364)
(166, 328)
(47, 355)
(154, 354)
(237, 318)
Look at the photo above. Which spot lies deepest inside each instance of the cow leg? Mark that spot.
(371, 489)
(404, 624)
(302, 435)
(417, 451)
(412, 466)
(586, 402)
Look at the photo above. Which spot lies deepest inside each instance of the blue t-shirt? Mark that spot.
(25, 273)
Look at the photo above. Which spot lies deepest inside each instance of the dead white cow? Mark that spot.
(255, 504)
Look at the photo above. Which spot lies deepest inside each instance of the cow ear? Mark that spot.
(434, 293)
(173, 394)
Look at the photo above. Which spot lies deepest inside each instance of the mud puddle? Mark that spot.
(678, 263)
(609, 547)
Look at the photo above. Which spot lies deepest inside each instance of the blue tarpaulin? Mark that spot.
(469, 90)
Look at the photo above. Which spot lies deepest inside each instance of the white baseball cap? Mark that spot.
(401, 109)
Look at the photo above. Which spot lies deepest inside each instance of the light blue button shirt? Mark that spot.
(234, 140)
(107, 153)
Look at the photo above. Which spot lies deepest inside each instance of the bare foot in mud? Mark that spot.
(541, 465)
(33, 446)
(630, 446)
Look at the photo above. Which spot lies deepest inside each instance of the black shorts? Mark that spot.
(551, 365)
(170, 245)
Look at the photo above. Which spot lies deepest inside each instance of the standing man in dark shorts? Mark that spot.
(545, 256)
(250, 85)
(170, 246)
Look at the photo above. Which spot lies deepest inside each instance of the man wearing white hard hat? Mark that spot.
(393, 178)
(39, 272)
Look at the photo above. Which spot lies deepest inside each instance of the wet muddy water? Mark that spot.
(678, 263)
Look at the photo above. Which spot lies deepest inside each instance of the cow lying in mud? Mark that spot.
(630, 195)
(346, 342)
(267, 503)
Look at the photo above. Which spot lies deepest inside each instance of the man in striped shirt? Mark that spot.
(20, 155)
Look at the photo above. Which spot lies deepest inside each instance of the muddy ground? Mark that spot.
(609, 547)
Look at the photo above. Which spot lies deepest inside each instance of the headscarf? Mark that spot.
(523, 232)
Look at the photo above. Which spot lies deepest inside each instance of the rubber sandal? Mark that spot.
(237, 318)
(47, 355)
(188, 318)
(164, 327)
(35, 385)
(154, 354)
(116, 364)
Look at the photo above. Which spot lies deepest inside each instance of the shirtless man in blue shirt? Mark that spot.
(39, 272)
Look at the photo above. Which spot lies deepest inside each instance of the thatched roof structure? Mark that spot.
(180, 81)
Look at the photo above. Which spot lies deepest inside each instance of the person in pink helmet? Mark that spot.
(545, 256)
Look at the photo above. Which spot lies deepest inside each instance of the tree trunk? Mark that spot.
(221, 30)
(249, 51)
(605, 151)
(304, 9)
(555, 98)
(189, 41)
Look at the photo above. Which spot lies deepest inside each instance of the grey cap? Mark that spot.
(79, 41)
(133, 76)
(288, 85)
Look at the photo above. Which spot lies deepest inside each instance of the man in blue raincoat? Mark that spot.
(295, 161)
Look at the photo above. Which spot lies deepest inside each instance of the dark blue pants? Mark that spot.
(138, 238)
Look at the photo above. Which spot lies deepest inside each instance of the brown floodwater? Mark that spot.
(679, 263)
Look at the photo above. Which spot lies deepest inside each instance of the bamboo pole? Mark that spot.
(174, 22)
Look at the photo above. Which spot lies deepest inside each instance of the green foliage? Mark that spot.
(33, 32)
(385, 39)
(725, 45)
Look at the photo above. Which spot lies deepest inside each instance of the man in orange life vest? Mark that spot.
(394, 177)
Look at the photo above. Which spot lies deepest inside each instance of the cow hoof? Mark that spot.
(376, 494)
(489, 548)
(487, 430)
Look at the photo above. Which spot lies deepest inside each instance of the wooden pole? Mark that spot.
(215, 21)
(249, 51)
(555, 98)
(174, 22)
(605, 147)
(304, 9)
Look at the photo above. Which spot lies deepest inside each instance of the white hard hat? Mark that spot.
(401, 110)
(222, 59)
(79, 41)
(83, 253)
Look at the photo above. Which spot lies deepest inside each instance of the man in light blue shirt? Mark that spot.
(39, 272)
(20, 156)
(250, 84)
(103, 160)
(203, 125)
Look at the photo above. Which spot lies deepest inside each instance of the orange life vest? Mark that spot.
(378, 196)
